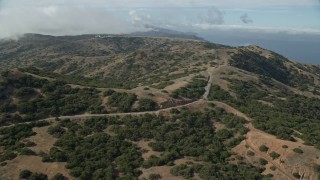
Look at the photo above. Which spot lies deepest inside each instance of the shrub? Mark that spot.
(146, 105)
(27, 152)
(56, 131)
(30, 144)
(263, 162)
(317, 168)
(250, 153)
(298, 150)
(38, 176)
(122, 101)
(274, 155)
(296, 175)
(24, 174)
(8, 156)
(263, 148)
(108, 92)
(59, 176)
(24, 91)
(273, 168)
(57, 155)
(154, 176)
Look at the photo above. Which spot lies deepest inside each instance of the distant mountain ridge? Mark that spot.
(162, 32)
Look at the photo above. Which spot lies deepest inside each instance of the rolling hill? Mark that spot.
(126, 107)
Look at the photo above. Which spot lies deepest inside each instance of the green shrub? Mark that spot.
(317, 168)
(25, 174)
(146, 105)
(122, 101)
(108, 92)
(298, 150)
(263, 161)
(56, 130)
(8, 155)
(38, 176)
(273, 168)
(296, 175)
(182, 170)
(24, 91)
(263, 148)
(154, 176)
(27, 152)
(59, 176)
(250, 153)
(57, 155)
(274, 155)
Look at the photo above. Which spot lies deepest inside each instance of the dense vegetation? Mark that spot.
(194, 90)
(122, 101)
(90, 153)
(40, 98)
(288, 112)
(10, 140)
(273, 67)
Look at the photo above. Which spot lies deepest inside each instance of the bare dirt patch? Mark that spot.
(43, 140)
(266, 103)
(164, 171)
(33, 163)
(218, 126)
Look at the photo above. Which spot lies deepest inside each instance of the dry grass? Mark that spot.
(33, 163)
(43, 140)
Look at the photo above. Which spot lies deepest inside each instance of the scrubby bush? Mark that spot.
(274, 155)
(146, 105)
(298, 150)
(262, 161)
(25, 174)
(263, 148)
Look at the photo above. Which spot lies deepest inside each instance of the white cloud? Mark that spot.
(104, 16)
(213, 16)
(50, 10)
(59, 20)
(256, 29)
(162, 3)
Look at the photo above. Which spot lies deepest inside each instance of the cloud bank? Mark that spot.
(61, 17)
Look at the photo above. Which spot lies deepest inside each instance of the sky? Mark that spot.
(281, 25)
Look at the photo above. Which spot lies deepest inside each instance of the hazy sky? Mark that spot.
(121, 16)
(264, 19)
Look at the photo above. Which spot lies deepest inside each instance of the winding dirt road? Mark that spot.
(225, 106)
